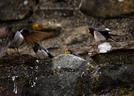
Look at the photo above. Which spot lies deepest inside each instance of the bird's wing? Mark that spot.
(17, 40)
(104, 33)
(17, 36)
(102, 29)
(37, 36)
(45, 49)
(42, 54)
(98, 36)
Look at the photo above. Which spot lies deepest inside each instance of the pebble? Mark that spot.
(104, 47)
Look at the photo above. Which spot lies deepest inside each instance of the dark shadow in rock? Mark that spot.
(28, 90)
(22, 70)
(120, 56)
(113, 70)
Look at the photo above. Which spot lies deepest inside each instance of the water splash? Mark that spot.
(15, 89)
(33, 83)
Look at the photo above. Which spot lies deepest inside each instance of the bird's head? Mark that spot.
(36, 47)
(24, 32)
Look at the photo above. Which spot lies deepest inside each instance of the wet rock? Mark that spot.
(107, 77)
(19, 74)
(78, 35)
(107, 8)
(113, 70)
(68, 78)
(69, 61)
(15, 10)
(118, 56)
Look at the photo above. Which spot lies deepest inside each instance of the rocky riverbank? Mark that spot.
(88, 71)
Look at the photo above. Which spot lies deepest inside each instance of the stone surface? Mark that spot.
(78, 35)
(107, 8)
(69, 61)
(68, 78)
(68, 75)
(113, 70)
(108, 74)
(16, 10)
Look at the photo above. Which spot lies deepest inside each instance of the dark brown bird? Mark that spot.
(26, 36)
(31, 37)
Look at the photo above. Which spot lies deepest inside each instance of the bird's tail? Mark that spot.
(50, 55)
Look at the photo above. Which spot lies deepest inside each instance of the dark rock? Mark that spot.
(119, 56)
(107, 8)
(67, 83)
(113, 70)
(19, 73)
(15, 10)
(112, 76)
(68, 78)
